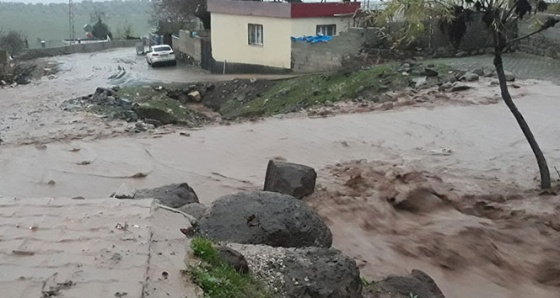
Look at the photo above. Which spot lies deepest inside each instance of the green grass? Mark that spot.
(220, 280)
(306, 91)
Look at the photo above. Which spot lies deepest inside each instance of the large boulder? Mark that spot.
(310, 272)
(290, 178)
(154, 112)
(264, 218)
(172, 195)
(417, 284)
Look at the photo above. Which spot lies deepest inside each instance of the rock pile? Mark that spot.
(286, 245)
(151, 110)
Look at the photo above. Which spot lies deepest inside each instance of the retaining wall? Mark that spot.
(76, 48)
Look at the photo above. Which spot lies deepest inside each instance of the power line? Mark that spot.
(71, 21)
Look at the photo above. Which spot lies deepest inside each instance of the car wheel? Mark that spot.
(174, 62)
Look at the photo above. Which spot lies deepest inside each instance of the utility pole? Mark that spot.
(71, 21)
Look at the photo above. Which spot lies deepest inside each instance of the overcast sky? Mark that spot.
(45, 1)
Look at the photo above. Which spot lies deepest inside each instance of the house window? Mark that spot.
(256, 34)
(326, 30)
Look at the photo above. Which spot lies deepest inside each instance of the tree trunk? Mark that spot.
(541, 161)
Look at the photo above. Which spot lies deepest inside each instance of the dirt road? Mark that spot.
(494, 237)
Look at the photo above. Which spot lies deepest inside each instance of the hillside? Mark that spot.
(50, 21)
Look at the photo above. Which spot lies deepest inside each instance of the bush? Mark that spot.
(218, 279)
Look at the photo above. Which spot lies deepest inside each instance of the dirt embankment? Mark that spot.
(462, 231)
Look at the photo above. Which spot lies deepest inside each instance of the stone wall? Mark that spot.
(186, 45)
(546, 43)
(326, 56)
(329, 56)
(76, 48)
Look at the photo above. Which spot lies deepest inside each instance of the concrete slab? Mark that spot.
(89, 248)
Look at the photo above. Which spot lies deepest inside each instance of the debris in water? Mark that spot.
(41, 146)
(120, 294)
(78, 198)
(51, 182)
(75, 150)
(139, 175)
(84, 163)
(122, 227)
(184, 134)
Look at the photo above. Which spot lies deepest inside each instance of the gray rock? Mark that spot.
(106, 91)
(172, 195)
(446, 86)
(469, 77)
(458, 88)
(417, 284)
(290, 178)
(233, 258)
(311, 272)
(509, 76)
(264, 218)
(479, 72)
(145, 111)
(111, 100)
(430, 72)
(197, 210)
(461, 54)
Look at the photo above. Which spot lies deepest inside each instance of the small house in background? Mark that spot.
(257, 37)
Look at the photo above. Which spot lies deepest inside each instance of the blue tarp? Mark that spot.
(312, 39)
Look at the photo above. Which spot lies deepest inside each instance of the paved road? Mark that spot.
(524, 66)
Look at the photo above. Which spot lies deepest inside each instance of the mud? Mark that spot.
(509, 251)
(32, 113)
(450, 189)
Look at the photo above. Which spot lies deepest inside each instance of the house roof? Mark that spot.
(282, 9)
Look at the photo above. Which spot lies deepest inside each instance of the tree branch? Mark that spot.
(550, 22)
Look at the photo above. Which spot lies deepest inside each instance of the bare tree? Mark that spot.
(180, 12)
(498, 15)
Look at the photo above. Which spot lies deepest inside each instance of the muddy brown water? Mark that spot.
(473, 148)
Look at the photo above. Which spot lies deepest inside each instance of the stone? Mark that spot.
(469, 77)
(290, 178)
(461, 54)
(446, 86)
(195, 96)
(124, 192)
(480, 72)
(430, 72)
(196, 210)
(417, 284)
(233, 258)
(509, 76)
(264, 218)
(172, 195)
(146, 111)
(111, 100)
(458, 88)
(303, 272)
(107, 92)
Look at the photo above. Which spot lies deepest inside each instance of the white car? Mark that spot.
(160, 54)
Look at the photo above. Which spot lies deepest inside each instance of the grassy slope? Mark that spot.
(50, 21)
(306, 91)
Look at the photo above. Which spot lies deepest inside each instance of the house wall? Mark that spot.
(230, 40)
(185, 44)
(308, 26)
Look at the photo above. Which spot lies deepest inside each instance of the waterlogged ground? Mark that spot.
(492, 237)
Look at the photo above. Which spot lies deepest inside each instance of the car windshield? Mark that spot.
(162, 49)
